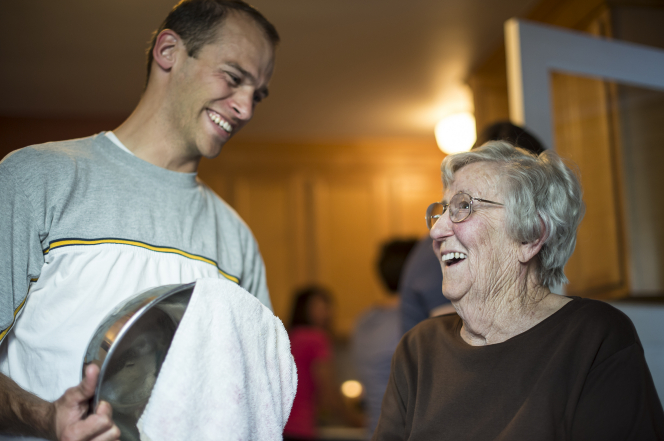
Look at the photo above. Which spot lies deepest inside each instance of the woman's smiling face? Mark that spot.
(491, 261)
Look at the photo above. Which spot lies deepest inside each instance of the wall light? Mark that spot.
(456, 133)
(351, 388)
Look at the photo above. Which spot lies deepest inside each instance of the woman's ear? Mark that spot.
(528, 250)
(165, 50)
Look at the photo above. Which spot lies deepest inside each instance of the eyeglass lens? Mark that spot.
(434, 212)
(460, 208)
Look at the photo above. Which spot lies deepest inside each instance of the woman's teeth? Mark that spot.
(453, 256)
(220, 122)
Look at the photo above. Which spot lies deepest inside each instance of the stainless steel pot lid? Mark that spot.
(130, 346)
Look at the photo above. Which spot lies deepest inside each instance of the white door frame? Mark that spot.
(535, 50)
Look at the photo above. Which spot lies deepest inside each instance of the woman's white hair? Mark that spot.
(542, 192)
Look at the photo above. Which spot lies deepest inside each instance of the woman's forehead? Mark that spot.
(479, 179)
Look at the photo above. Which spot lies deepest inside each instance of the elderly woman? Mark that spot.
(516, 362)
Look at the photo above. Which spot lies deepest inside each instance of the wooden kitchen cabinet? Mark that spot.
(320, 211)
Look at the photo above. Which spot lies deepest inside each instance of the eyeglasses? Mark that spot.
(461, 207)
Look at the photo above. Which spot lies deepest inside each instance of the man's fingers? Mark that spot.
(71, 410)
(112, 434)
(89, 381)
(94, 427)
(104, 409)
(81, 393)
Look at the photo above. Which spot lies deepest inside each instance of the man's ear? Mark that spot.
(528, 250)
(166, 49)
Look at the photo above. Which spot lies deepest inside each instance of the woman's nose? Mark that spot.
(442, 228)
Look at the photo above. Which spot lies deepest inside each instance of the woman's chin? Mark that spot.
(453, 293)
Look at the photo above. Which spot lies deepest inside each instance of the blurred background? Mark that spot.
(343, 156)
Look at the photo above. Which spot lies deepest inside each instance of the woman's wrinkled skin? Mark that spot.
(495, 289)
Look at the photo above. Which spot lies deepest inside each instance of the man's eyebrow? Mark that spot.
(242, 71)
(263, 90)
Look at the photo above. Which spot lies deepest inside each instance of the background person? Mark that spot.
(378, 330)
(517, 361)
(309, 331)
(88, 223)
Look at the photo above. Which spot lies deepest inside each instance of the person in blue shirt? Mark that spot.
(378, 330)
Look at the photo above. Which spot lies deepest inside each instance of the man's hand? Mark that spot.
(70, 412)
(22, 413)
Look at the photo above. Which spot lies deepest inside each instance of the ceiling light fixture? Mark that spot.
(456, 133)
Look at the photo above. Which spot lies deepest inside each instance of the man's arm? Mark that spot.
(22, 413)
(21, 228)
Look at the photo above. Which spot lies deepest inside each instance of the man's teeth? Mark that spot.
(450, 256)
(220, 122)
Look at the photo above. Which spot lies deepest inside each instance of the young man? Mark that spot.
(88, 223)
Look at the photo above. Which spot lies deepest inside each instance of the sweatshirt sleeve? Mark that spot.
(21, 256)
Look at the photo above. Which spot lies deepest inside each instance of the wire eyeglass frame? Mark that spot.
(457, 214)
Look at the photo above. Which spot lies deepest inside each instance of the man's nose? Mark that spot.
(243, 104)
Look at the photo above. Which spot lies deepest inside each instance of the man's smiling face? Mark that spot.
(213, 95)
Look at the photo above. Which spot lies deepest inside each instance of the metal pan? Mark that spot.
(130, 346)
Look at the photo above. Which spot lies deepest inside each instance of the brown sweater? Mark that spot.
(578, 375)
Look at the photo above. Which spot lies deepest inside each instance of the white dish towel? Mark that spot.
(228, 375)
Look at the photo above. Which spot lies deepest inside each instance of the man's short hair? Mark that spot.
(197, 23)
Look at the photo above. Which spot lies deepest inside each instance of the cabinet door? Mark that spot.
(585, 133)
(577, 94)
(320, 213)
